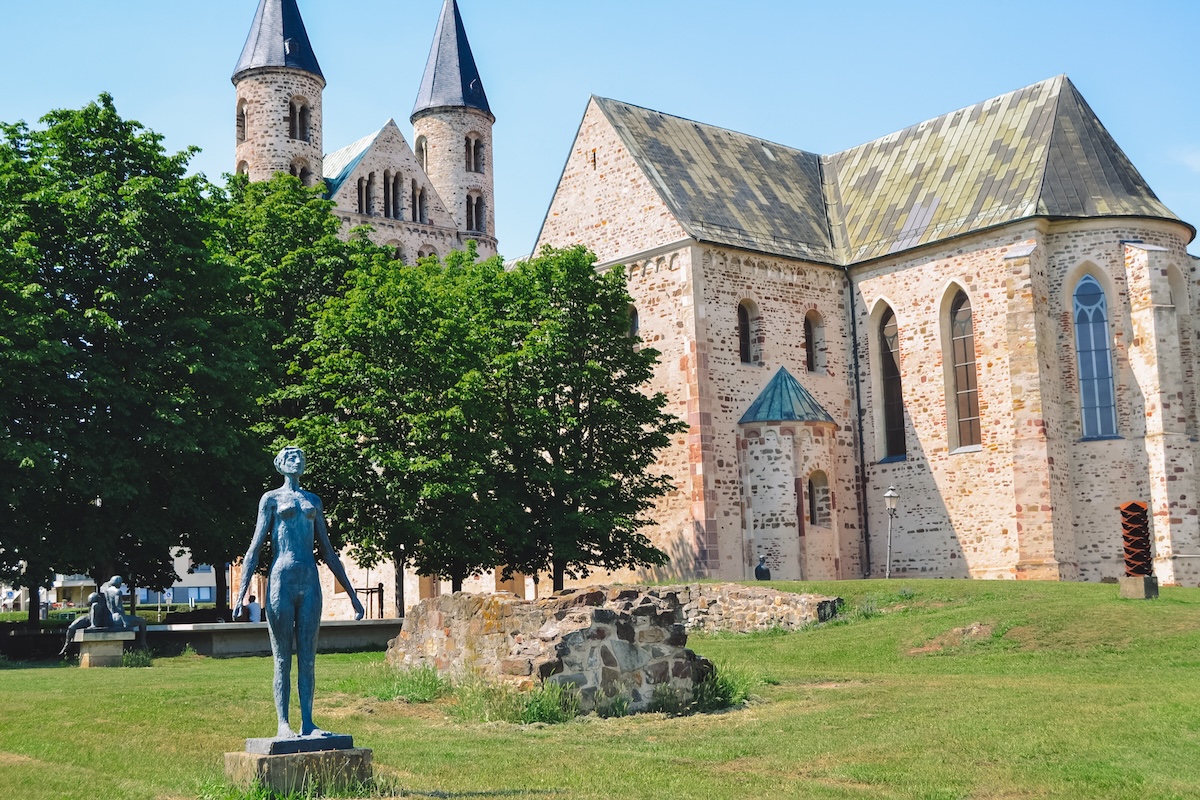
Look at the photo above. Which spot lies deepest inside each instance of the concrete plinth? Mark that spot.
(1139, 587)
(300, 773)
(102, 648)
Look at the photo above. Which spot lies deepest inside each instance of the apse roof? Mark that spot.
(278, 39)
(1036, 152)
(784, 400)
(451, 78)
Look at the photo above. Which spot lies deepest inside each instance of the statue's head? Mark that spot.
(290, 461)
(116, 581)
(93, 598)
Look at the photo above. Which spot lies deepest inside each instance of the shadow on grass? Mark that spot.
(495, 793)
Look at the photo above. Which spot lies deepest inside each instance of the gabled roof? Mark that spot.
(451, 78)
(784, 400)
(278, 39)
(340, 164)
(728, 187)
(1036, 152)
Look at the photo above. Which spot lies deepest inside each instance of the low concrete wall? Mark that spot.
(252, 639)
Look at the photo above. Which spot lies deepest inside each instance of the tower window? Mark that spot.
(362, 195)
(1097, 393)
(241, 121)
(299, 120)
(476, 220)
(474, 153)
(243, 168)
(371, 184)
(387, 194)
(422, 152)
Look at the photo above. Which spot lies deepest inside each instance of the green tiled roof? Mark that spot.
(1036, 152)
(728, 187)
(784, 400)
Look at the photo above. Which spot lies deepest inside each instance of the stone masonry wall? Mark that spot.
(606, 641)
(445, 132)
(268, 148)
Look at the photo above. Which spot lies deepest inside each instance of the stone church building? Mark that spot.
(425, 199)
(990, 311)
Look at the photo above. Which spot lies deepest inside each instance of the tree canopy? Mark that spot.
(128, 385)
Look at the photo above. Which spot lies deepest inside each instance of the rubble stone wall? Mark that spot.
(605, 641)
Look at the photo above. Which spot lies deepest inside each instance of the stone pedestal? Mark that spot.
(1139, 587)
(102, 648)
(300, 766)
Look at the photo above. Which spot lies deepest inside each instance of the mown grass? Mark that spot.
(927, 689)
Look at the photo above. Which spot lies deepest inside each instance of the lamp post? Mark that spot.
(889, 499)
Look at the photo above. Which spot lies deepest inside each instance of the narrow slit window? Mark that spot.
(893, 391)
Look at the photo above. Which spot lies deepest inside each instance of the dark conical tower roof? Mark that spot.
(451, 77)
(278, 39)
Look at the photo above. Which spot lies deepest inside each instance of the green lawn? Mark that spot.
(1058, 690)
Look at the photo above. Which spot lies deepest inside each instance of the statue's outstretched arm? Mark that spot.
(262, 528)
(335, 563)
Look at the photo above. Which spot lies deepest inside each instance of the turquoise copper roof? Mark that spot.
(278, 39)
(451, 78)
(341, 163)
(784, 400)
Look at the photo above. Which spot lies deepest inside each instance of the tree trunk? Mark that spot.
(560, 573)
(456, 582)
(222, 587)
(399, 590)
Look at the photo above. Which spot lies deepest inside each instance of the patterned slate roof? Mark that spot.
(451, 78)
(278, 38)
(728, 187)
(784, 400)
(1036, 152)
(340, 164)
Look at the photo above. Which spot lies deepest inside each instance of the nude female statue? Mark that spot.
(294, 519)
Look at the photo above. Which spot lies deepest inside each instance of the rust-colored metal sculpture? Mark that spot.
(1135, 521)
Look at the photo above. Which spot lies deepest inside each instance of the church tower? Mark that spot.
(452, 123)
(279, 85)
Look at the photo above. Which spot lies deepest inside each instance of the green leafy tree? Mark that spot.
(133, 367)
(581, 435)
(399, 412)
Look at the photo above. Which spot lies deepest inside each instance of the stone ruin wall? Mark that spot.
(605, 641)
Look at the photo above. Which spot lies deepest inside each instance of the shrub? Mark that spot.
(140, 657)
(420, 684)
(615, 706)
(550, 703)
(725, 686)
(667, 700)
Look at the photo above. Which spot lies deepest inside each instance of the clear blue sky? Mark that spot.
(818, 76)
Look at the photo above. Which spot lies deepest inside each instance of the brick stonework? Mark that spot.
(445, 132)
(268, 147)
(1033, 500)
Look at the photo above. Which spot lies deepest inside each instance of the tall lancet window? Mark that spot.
(966, 379)
(893, 393)
(1097, 395)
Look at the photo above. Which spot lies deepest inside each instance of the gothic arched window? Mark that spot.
(966, 379)
(1097, 395)
(893, 393)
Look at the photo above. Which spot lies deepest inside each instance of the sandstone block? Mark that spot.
(301, 773)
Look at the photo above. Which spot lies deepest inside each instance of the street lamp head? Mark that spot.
(890, 497)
